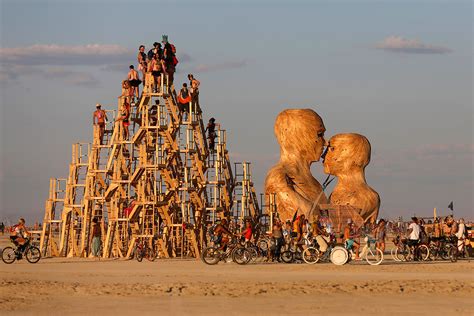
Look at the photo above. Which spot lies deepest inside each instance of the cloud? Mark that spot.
(219, 66)
(73, 77)
(52, 54)
(398, 44)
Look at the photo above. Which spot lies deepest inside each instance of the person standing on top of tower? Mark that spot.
(156, 50)
(157, 68)
(211, 133)
(169, 57)
(142, 61)
(101, 118)
(134, 81)
(194, 83)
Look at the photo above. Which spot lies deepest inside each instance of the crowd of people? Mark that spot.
(300, 230)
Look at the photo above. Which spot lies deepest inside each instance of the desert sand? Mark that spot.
(176, 287)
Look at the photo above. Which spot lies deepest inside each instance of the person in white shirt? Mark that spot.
(413, 232)
(460, 234)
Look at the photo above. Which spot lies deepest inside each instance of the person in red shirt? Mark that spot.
(247, 233)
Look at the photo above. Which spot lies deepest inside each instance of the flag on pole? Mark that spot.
(451, 206)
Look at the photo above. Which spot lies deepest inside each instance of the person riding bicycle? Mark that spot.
(320, 234)
(222, 234)
(349, 238)
(247, 233)
(19, 233)
(298, 231)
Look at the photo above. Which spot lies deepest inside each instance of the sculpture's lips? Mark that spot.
(323, 156)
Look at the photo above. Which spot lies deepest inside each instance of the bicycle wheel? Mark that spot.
(241, 255)
(253, 253)
(33, 254)
(374, 257)
(150, 254)
(408, 253)
(8, 255)
(453, 254)
(139, 255)
(287, 256)
(310, 255)
(400, 254)
(444, 252)
(339, 256)
(424, 252)
(393, 253)
(210, 255)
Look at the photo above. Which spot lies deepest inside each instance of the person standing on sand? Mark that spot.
(96, 237)
(2, 228)
(380, 233)
(277, 234)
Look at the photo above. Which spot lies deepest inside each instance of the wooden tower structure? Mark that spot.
(161, 185)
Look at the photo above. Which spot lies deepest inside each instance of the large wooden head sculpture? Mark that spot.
(346, 157)
(300, 133)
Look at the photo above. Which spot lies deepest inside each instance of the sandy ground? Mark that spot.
(175, 287)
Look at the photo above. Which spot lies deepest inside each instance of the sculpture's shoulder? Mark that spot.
(276, 179)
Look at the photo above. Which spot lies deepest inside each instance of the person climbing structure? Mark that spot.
(99, 118)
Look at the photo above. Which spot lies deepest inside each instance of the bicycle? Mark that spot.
(30, 252)
(143, 251)
(212, 255)
(371, 254)
(415, 252)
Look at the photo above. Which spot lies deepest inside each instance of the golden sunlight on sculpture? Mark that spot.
(346, 157)
(300, 133)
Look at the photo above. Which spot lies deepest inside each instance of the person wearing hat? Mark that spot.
(194, 84)
(99, 118)
(349, 238)
(156, 50)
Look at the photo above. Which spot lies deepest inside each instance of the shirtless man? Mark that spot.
(157, 68)
(222, 233)
(134, 81)
(99, 118)
(349, 238)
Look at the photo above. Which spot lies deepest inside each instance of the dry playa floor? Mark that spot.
(175, 287)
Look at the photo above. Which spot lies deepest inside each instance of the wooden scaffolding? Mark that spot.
(162, 185)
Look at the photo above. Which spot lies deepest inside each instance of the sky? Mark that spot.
(398, 72)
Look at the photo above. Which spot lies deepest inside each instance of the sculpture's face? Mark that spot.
(333, 157)
(346, 152)
(301, 132)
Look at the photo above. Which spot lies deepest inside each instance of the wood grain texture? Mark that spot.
(346, 158)
(300, 133)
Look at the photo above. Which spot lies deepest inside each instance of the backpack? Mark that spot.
(175, 61)
(173, 48)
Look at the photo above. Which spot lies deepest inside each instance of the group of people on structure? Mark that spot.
(160, 60)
